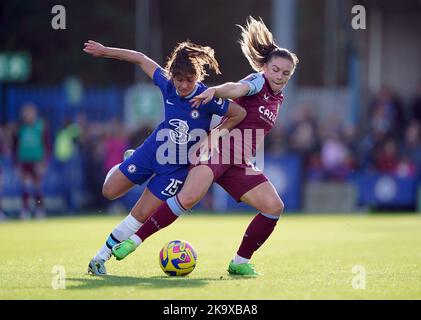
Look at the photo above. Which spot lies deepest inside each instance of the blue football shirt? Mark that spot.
(183, 125)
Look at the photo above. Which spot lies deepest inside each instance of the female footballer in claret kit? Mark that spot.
(260, 94)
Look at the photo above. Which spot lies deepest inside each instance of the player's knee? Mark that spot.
(140, 215)
(187, 200)
(108, 191)
(274, 207)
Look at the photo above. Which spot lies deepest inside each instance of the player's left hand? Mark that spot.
(94, 48)
(203, 98)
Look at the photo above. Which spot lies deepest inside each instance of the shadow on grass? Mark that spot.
(94, 282)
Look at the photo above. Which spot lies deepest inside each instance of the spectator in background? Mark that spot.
(368, 148)
(32, 148)
(138, 136)
(386, 114)
(351, 139)
(64, 154)
(303, 133)
(386, 120)
(315, 170)
(90, 144)
(412, 143)
(276, 140)
(303, 139)
(115, 144)
(335, 158)
(64, 146)
(406, 168)
(4, 151)
(335, 153)
(387, 158)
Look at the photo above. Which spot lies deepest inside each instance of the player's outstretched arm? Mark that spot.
(229, 90)
(98, 50)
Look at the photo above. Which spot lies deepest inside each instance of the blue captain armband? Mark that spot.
(255, 82)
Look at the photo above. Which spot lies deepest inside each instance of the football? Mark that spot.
(177, 258)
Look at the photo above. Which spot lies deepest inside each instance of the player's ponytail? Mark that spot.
(258, 45)
(190, 58)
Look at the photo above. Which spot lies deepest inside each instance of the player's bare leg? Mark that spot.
(264, 198)
(39, 199)
(31, 176)
(116, 184)
(196, 186)
(270, 206)
(144, 207)
(198, 181)
(27, 183)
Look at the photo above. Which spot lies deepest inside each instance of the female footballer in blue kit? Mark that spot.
(179, 82)
(261, 95)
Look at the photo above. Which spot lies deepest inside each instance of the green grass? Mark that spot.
(307, 257)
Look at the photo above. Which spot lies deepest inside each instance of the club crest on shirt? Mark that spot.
(195, 114)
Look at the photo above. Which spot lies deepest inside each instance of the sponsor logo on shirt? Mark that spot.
(180, 133)
(267, 114)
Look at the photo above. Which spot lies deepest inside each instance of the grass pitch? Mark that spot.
(307, 257)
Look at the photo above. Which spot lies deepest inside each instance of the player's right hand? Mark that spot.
(94, 48)
(203, 98)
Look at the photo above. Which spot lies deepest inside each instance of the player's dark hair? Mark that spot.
(189, 58)
(258, 45)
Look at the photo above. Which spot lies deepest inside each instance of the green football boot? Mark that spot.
(242, 269)
(123, 249)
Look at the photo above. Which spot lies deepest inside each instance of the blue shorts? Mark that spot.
(165, 180)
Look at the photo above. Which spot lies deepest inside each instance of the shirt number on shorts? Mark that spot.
(172, 188)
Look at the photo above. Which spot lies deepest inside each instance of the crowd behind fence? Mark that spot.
(327, 148)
